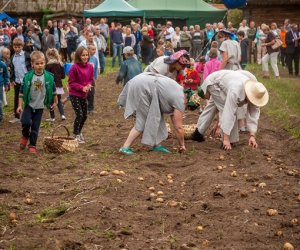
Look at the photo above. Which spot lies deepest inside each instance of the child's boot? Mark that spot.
(32, 149)
(23, 143)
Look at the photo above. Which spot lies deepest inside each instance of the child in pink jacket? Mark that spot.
(81, 77)
(213, 65)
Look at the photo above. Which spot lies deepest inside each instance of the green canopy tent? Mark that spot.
(192, 11)
(114, 8)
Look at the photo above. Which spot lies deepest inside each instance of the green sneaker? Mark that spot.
(161, 149)
(126, 151)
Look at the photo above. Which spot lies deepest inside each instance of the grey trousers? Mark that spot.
(216, 103)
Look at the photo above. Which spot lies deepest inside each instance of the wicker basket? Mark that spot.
(188, 130)
(60, 144)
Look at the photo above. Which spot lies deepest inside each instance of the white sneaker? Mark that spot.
(79, 140)
(63, 117)
(50, 120)
(15, 120)
(81, 137)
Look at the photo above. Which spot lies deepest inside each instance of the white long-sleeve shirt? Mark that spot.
(230, 86)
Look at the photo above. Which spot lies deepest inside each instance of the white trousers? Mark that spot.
(273, 59)
(215, 103)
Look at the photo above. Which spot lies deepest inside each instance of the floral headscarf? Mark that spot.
(181, 56)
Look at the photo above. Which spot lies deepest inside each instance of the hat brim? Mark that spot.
(259, 102)
(227, 33)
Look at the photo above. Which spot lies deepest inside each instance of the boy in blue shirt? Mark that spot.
(130, 67)
(20, 65)
(37, 92)
(94, 61)
(4, 81)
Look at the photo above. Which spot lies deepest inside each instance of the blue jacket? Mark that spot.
(4, 79)
(129, 69)
(138, 36)
(94, 62)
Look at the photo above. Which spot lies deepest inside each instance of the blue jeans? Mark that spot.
(31, 121)
(60, 108)
(102, 61)
(117, 51)
(137, 51)
(1, 102)
(57, 45)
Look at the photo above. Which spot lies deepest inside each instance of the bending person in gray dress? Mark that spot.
(228, 90)
(147, 97)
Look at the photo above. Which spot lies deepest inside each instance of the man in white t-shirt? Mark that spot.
(244, 28)
(170, 31)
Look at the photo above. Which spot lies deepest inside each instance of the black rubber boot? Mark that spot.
(196, 136)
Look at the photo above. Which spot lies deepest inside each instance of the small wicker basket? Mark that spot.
(60, 144)
(188, 130)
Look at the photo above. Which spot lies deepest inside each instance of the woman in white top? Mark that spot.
(176, 39)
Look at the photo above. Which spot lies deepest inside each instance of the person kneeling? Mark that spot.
(227, 90)
(147, 97)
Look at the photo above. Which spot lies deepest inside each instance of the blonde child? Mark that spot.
(36, 92)
(55, 66)
(192, 78)
(7, 61)
(199, 66)
(213, 64)
(169, 48)
(67, 68)
(160, 51)
(214, 45)
(94, 61)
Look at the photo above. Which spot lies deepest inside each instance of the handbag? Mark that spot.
(277, 44)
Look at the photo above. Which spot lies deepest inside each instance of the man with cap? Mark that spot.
(227, 90)
(130, 68)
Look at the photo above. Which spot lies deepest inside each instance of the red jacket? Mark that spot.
(151, 33)
(193, 74)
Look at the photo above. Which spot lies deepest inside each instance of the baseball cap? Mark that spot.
(128, 50)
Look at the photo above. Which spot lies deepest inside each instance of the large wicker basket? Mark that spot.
(188, 130)
(60, 144)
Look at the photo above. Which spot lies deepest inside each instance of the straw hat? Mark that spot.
(256, 93)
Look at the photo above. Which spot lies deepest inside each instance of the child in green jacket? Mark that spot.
(37, 92)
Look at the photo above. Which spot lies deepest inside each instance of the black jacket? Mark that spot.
(51, 31)
(290, 44)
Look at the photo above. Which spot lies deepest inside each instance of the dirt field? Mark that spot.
(204, 206)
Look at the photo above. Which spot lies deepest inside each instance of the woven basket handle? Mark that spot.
(59, 126)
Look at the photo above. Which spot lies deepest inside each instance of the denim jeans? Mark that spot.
(31, 121)
(91, 98)
(102, 61)
(137, 51)
(1, 102)
(117, 51)
(59, 106)
(57, 46)
(16, 99)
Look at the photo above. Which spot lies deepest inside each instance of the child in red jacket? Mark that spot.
(192, 78)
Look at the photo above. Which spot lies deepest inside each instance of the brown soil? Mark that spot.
(76, 208)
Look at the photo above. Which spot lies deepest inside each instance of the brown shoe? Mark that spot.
(23, 143)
